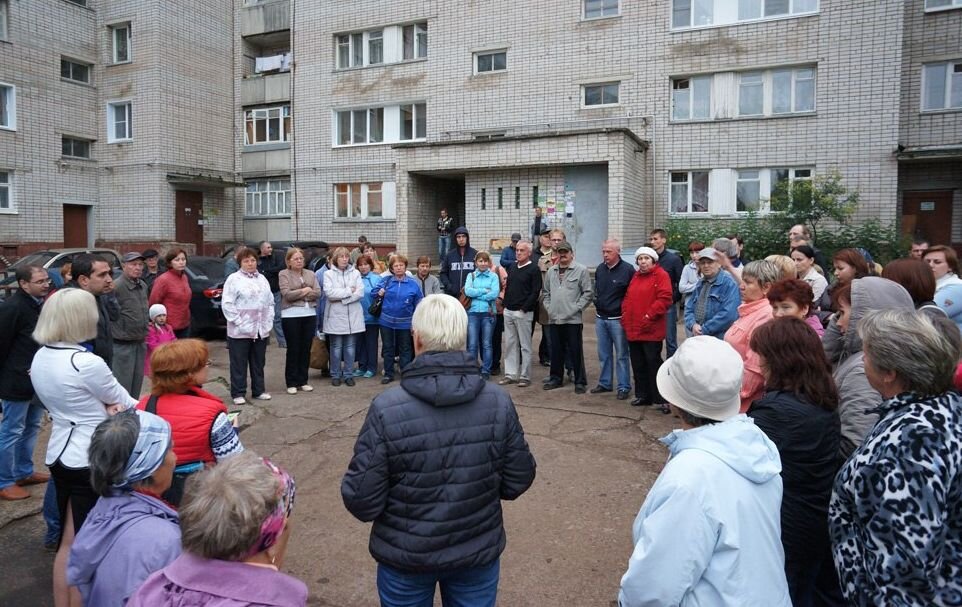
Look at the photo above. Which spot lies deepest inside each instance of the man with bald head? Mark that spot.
(611, 283)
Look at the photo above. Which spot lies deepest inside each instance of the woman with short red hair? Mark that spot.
(794, 297)
(202, 433)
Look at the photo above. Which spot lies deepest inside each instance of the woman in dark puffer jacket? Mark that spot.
(799, 414)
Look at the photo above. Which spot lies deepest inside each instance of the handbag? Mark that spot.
(464, 299)
(375, 308)
(319, 355)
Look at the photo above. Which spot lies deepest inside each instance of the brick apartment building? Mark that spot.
(299, 119)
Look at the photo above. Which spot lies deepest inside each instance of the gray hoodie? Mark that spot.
(856, 397)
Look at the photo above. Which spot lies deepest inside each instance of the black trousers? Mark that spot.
(566, 344)
(299, 332)
(496, 342)
(645, 362)
(246, 354)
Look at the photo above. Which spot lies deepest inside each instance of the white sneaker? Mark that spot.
(307, 388)
(240, 400)
(292, 390)
(263, 396)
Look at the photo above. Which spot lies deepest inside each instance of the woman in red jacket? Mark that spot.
(644, 313)
(172, 289)
(202, 433)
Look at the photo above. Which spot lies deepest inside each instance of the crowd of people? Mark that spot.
(818, 459)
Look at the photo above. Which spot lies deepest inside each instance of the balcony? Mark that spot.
(259, 89)
(265, 17)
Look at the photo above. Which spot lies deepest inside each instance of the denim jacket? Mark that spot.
(721, 309)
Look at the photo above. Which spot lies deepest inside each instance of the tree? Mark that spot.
(810, 202)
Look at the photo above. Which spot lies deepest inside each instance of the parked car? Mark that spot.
(206, 278)
(52, 260)
(315, 251)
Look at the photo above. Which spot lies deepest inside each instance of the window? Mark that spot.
(689, 192)
(8, 106)
(119, 122)
(415, 41)
(375, 47)
(79, 2)
(493, 61)
(413, 121)
(781, 91)
(934, 5)
(267, 125)
(691, 98)
(268, 198)
(500, 199)
(942, 85)
(703, 13)
(484, 199)
(601, 94)
(517, 197)
(360, 126)
(364, 200)
(788, 178)
(750, 94)
(6, 192)
(748, 191)
(534, 197)
(120, 37)
(73, 70)
(75, 148)
(4, 18)
(600, 8)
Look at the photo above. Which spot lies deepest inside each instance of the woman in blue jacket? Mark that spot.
(401, 295)
(482, 286)
(367, 343)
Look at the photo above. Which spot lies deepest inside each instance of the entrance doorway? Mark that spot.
(189, 218)
(928, 215)
(75, 226)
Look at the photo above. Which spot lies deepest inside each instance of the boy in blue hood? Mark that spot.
(458, 263)
(709, 530)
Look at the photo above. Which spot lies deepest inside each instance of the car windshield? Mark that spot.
(206, 267)
(39, 259)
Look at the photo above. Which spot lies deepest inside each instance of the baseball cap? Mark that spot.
(132, 256)
(708, 253)
(515, 237)
(148, 253)
(563, 247)
(703, 377)
(545, 230)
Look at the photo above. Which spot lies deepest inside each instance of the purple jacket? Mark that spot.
(192, 581)
(124, 539)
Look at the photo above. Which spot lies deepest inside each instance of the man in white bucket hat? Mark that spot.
(709, 531)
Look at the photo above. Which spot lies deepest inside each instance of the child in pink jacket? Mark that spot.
(158, 333)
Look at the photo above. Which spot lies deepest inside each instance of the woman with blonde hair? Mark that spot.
(299, 295)
(343, 317)
(202, 433)
(785, 265)
(79, 392)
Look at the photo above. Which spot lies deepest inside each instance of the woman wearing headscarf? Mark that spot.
(894, 517)
(643, 313)
(79, 392)
(799, 413)
(131, 532)
(234, 529)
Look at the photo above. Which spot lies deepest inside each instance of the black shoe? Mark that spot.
(551, 385)
(336, 381)
(387, 380)
(495, 370)
(623, 394)
(664, 408)
(545, 363)
(485, 376)
(600, 389)
(581, 389)
(639, 402)
(349, 381)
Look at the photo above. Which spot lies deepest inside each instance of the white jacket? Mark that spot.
(248, 305)
(709, 532)
(75, 386)
(343, 314)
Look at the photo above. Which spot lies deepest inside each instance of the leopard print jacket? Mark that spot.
(896, 511)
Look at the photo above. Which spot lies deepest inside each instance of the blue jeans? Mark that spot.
(610, 334)
(51, 514)
(18, 437)
(671, 337)
(342, 351)
(367, 349)
(481, 334)
(444, 245)
(278, 329)
(396, 342)
(469, 587)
